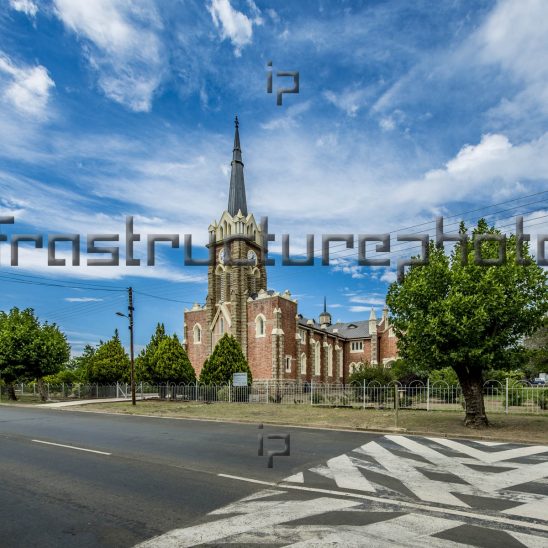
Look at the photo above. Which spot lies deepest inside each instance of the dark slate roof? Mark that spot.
(236, 195)
(351, 330)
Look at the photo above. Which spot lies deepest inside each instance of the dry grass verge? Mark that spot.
(519, 428)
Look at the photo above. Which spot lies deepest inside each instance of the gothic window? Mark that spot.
(197, 334)
(288, 364)
(303, 363)
(330, 361)
(317, 359)
(260, 326)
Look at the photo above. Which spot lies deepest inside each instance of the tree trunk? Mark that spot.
(42, 390)
(11, 392)
(471, 383)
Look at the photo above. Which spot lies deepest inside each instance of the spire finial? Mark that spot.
(236, 123)
(324, 304)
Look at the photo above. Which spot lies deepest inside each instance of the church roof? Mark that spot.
(350, 330)
(236, 194)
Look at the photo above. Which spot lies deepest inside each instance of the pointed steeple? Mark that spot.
(236, 195)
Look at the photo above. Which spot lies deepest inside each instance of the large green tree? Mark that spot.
(109, 363)
(145, 362)
(468, 316)
(227, 358)
(29, 349)
(171, 363)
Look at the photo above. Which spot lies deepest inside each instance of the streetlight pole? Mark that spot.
(129, 316)
(131, 352)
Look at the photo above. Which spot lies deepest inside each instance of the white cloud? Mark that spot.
(26, 6)
(82, 299)
(389, 276)
(349, 100)
(233, 24)
(121, 44)
(514, 38)
(492, 168)
(24, 87)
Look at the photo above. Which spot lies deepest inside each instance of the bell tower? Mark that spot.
(236, 273)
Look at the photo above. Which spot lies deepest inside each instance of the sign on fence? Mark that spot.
(239, 379)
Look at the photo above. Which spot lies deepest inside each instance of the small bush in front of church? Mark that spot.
(227, 358)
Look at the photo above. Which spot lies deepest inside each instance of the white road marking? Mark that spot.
(410, 530)
(256, 516)
(537, 510)
(295, 478)
(477, 481)
(531, 541)
(490, 457)
(347, 476)
(406, 472)
(398, 503)
(71, 447)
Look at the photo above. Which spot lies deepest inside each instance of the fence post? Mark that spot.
(97, 390)
(506, 400)
(363, 403)
(229, 392)
(396, 402)
(311, 392)
(428, 394)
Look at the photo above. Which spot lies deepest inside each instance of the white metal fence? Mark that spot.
(506, 397)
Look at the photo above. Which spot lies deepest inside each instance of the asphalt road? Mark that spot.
(164, 483)
(161, 474)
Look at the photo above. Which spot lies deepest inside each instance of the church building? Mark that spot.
(278, 342)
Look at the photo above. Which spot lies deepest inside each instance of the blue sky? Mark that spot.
(406, 110)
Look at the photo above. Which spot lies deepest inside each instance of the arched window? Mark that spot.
(260, 326)
(317, 359)
(330, 360)
(303, 364)
(197, 334)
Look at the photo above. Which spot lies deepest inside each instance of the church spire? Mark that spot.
(236, 195)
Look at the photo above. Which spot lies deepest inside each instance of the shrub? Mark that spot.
(227, 358)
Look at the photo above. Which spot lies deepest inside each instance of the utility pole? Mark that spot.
(131, 353)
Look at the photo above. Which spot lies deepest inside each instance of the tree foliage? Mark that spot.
(171, 363)
(468, 316)
(368, 374)
(109, 363)
(30, 350)
(144, 363)
(227, 358)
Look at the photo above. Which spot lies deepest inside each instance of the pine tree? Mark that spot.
(144, 364)
(110, 363)
(227, 358)
(171, 363)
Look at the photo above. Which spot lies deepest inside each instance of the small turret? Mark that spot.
(325, 316)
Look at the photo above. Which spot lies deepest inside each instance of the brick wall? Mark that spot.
(197, 353)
